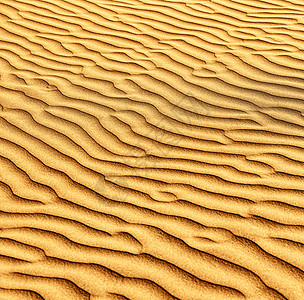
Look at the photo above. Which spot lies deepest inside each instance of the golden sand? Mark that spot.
(151, 149)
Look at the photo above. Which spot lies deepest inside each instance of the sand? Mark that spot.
(151, 149)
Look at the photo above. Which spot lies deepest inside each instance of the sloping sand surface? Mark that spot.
(151, 149)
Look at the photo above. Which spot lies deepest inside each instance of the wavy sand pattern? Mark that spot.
(151, 149)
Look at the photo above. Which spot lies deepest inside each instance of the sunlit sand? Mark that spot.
(151, 149)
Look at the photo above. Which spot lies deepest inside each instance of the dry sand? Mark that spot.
(151, 149)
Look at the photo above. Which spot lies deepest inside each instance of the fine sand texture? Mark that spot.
(151, 149)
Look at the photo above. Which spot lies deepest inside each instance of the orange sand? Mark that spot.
(151, 149)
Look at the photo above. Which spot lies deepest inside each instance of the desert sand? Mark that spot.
(151, 149)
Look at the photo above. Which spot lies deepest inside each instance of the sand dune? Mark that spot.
(151, 149)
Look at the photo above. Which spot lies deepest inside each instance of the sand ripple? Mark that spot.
(151, 149)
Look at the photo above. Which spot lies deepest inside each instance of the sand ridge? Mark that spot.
(151, 149)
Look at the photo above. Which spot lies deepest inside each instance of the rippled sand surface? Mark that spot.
(151, 149)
